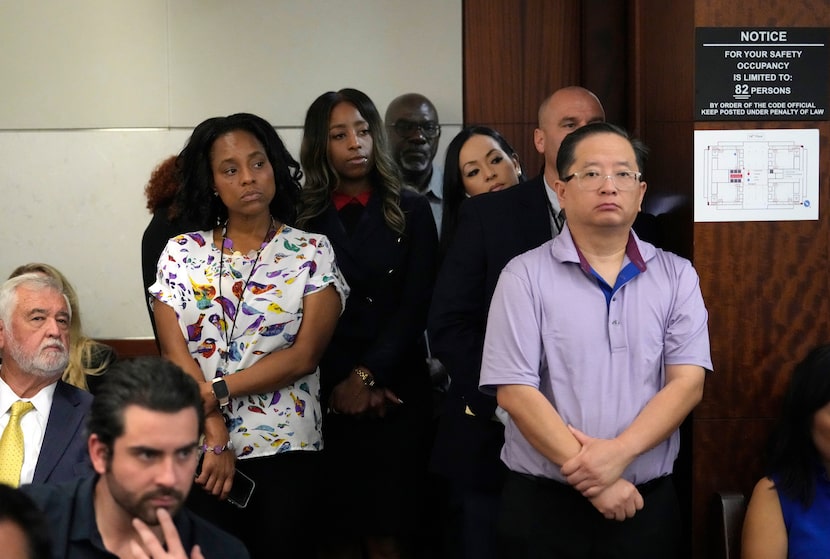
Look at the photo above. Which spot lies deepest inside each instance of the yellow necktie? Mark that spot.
(11, 445)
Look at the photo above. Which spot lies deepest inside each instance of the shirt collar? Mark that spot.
(341, 200)
(435, 188)
(554, 200)
(85, 526)
(42, 400)
(564, 249)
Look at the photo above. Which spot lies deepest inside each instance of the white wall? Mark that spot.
(96, 93)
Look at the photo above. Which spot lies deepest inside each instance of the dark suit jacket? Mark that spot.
(63, 455)
(492, 229)
(391, 278)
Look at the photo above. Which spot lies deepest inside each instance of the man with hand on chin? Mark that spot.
(144, 429)
(597, 345)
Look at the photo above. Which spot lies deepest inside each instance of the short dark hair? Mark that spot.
(566, 156)
(18, 508)
(792, 456)
(195, 197)
(153, 383)
(453, 185)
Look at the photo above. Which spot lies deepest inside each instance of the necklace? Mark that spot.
(227, 244)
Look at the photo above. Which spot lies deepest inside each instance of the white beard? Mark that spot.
(42, 364)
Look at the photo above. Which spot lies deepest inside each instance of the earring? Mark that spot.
(216, 193)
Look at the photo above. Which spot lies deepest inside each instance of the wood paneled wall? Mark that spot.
(516, 53)
(763, 282)
(132, 347)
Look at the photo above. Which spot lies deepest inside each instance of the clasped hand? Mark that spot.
(595, 472)
(598, 464)
(618, 501)
(352, 397)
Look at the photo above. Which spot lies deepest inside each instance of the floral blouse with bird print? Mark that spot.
(255, 310)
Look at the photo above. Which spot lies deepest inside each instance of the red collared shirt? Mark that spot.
(341, 200)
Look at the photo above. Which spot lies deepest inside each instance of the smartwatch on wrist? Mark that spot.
(221, 392)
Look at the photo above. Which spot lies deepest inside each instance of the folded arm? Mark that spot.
(278, 369)
(600, 462)
(541, 425)
(538, 422)
(217, 470)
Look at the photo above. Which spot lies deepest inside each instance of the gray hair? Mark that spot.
(33, 281)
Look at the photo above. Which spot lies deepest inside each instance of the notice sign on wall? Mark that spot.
(761, 73)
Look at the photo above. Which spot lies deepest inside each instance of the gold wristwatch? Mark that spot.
(364, 376)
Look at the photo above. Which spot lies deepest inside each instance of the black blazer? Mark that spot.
(492, 229)
(391, 278)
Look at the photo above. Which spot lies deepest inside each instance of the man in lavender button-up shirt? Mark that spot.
(597, 345)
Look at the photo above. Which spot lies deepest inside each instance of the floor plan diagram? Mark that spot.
(756, 175)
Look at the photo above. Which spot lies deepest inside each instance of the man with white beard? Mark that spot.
(41, 417)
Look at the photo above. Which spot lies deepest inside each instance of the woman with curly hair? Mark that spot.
(166, 223)
(789, 512)
(88, 359)
(375, 379)
(246, 305)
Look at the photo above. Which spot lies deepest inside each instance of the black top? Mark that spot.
(391, 278)
(158, 232)
(70, 514)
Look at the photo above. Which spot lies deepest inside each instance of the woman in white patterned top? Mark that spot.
(247, 306)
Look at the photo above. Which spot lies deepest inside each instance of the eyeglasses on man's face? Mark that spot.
(406, 128)
(591, 181)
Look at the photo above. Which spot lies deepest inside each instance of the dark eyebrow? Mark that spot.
(345, 125)
(255, 153)
(190, 446)
(486, 155)
(150, 450)
(145, 449)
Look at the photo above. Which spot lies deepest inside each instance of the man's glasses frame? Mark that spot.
(591, 181)
(406, 128)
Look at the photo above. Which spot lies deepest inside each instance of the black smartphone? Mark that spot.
(242, 489)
